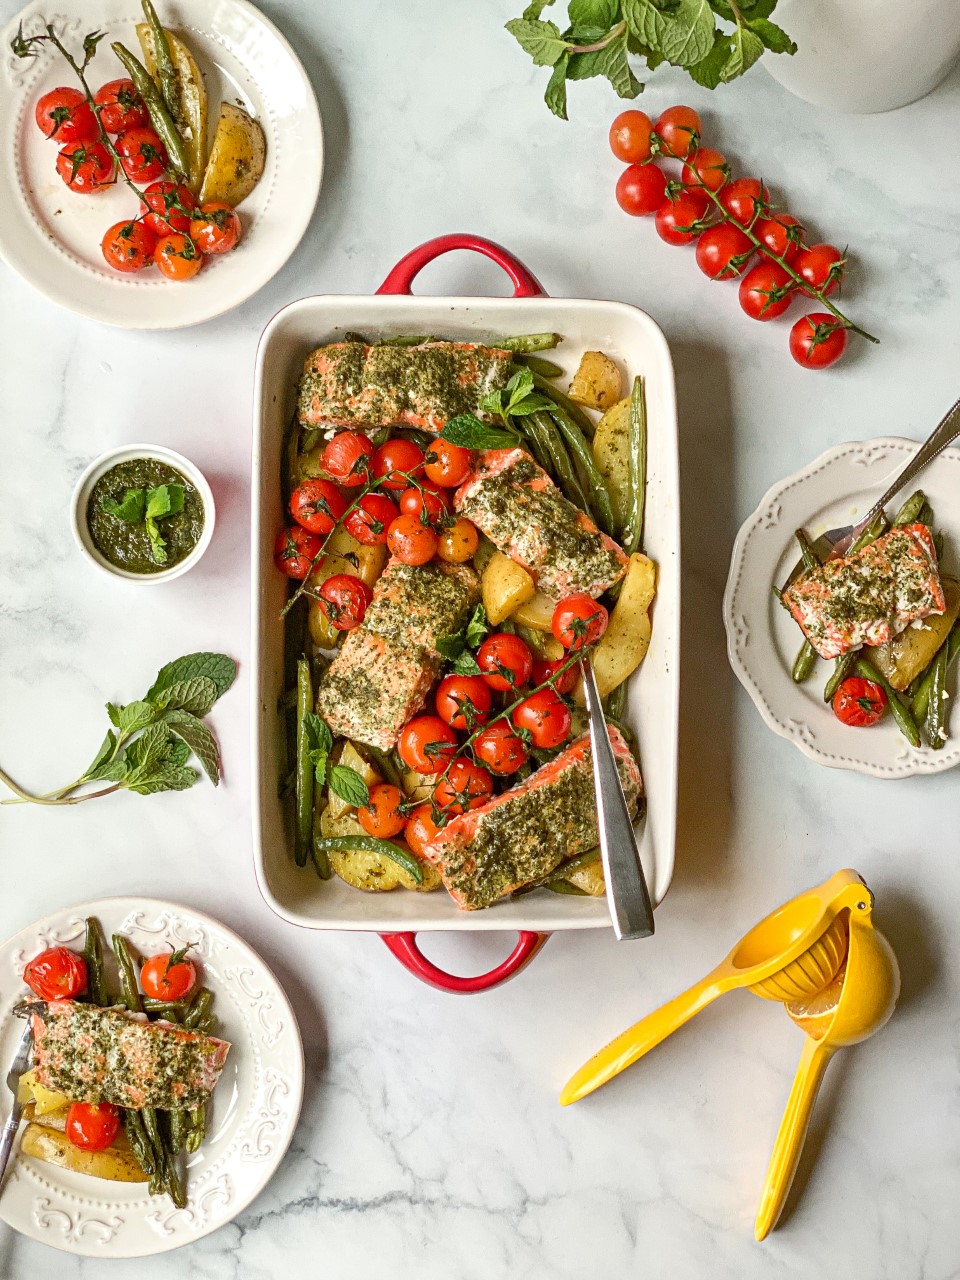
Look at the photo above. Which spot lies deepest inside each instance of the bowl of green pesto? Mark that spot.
(143, 513)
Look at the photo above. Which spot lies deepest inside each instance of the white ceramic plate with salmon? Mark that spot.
(762, 638)
(251, 1116)
(638, 345)
(51, 235)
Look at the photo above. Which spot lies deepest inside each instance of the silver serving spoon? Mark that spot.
(20, 1064)
(630, 910)
(837, 542)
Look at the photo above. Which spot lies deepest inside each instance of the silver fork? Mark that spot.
(837, 542)
(20, 1064)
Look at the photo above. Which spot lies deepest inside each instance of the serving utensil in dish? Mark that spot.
(51, 236)
(20, 1064)
(762, 638)
(251, 1116)
(633, 338)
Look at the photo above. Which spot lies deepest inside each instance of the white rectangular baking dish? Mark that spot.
(636, 342)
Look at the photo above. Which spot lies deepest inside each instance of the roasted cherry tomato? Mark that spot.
(382, 817)
(818, 340)
(370, 520)
(421, 829)
(216, 228)
(317, 505)
(426, 744)
(641, 189)
(86, 167)
(398, 456)
(745, 199)
(781, 234)
(463, 702)
(177, 257)
(92, 1126)
(466, 786)
(766, 291)
(500, 749)
(65, 115)
(546, 717)
(168, 976)
(411, 541)
(121, 107)
(859, 702)
(676, 219)
(166, 207)
(430, 506)
(458, 542)
(679, 127)
(346, 458)
(344, 600)
(142, 154)
(129, 246)
(447, 465)
(544, 670)
(630, 137)
(706, 168)
(723, 251)
(294, 551)
(579, 620)
(505, 661)
(56, 974)
(821, 266)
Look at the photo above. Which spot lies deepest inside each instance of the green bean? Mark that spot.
(173, 1010)
(570, 407)
(198, 1128)
(637, 464)
(921, 699)
(925, 515)
(206, 1024)
(129, 987)
(564, 886)
(199, 1007)
(937, 703)
(572, 864)
(160, 117)
(625, 730)
(532, 432)
(179, 1128)
(93, 954)
(305, 772)
(166, 72)
(910, 509)
(384, 765)
(139, 1143)
(407, 340)
(901, 713)
(571, 472)
(596, 486)
(803, 663)
(617, 701)
(810, 558)
(524, 343)
(386, 848)
(841, 669)
(871, 533)
(545, 368)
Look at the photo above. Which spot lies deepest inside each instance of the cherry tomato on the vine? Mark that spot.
(369, 522)
(92, 1126)
(723, 252)
(421, 829)
(344, 600)
(426, 744)
(578, 620)
(142, 154)
(505, 661)
(86, 167)
(466, 786)
(295, 550)
(458, 542)
(705, 168)
(500, 749)
(56, 974)
(430, 506)
(177, 257)
(766, 291)
(317, 505)
(546, 717)
(382, 817)
(216, 228)
(65, 115)
(397, 455)
(166, 207)
(676, 219)
(822, 267)
(859, 703)
(745, 200)
(630, 137)
(447, 465)
(168, 976)
(544, 669)
(678, 127)
(641, 189)
(346, 458)
(818, 340)
(411, 541)
(781, 234)
(121, 107)
(463, 702)
(129, 246)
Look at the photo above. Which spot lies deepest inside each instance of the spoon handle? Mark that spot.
(942, 435)
(792, 1134)
(627, 896)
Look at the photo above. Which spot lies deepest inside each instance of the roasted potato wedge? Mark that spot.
(351, 758)
(417, 786)
(344, 555)
(237, 157)
(597, 382)
(625, 642)
(611, 453)
(191, 114)
(588, 879)
(505, 586)
(115, 1164)
(45, 1100)
(906, 655)
(484, 553)
(365, 868)
(537, 612)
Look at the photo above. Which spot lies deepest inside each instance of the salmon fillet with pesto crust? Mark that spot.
(870, 597)
(529, 830)
(350, 384)
(91, 1054)
(420, 604)
(523, 513)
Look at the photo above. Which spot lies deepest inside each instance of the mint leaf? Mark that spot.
(519, 385)
(318, 731)
(164, 500)
(450, 647)
(611, 62)
(107, 748)
(745, 49)
(600, 13)
(533, 403)
(198, 739)
(773, 37)
(133, 717)
(465, 664)
(197, 695)
(177, 779)
(709, 70)
(477, 627)
(491, 402)
(542, 40)
(130, 508)
(215, 666)
(556, 92)
(178, 753)
(470, 433)
(146, 753)
(534, 9)
(748, 9)
(158, 548)
(349, 786)
(682, 34)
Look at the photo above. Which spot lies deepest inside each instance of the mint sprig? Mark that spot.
(147, 506)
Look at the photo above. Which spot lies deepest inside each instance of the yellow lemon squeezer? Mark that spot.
(837, 976)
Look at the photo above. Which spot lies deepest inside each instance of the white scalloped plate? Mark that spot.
(252, 1116)
(762, 638)
(51, 235)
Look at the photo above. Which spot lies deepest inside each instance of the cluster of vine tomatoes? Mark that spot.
(684, 211)
(170, 230)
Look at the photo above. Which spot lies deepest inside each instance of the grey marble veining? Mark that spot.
(431, 1144)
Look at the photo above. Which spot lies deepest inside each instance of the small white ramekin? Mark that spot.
(128, 453)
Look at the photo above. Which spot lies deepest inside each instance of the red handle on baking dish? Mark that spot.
(525, 283)
(404, 947)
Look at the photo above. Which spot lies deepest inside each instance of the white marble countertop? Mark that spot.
(431, 1143)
